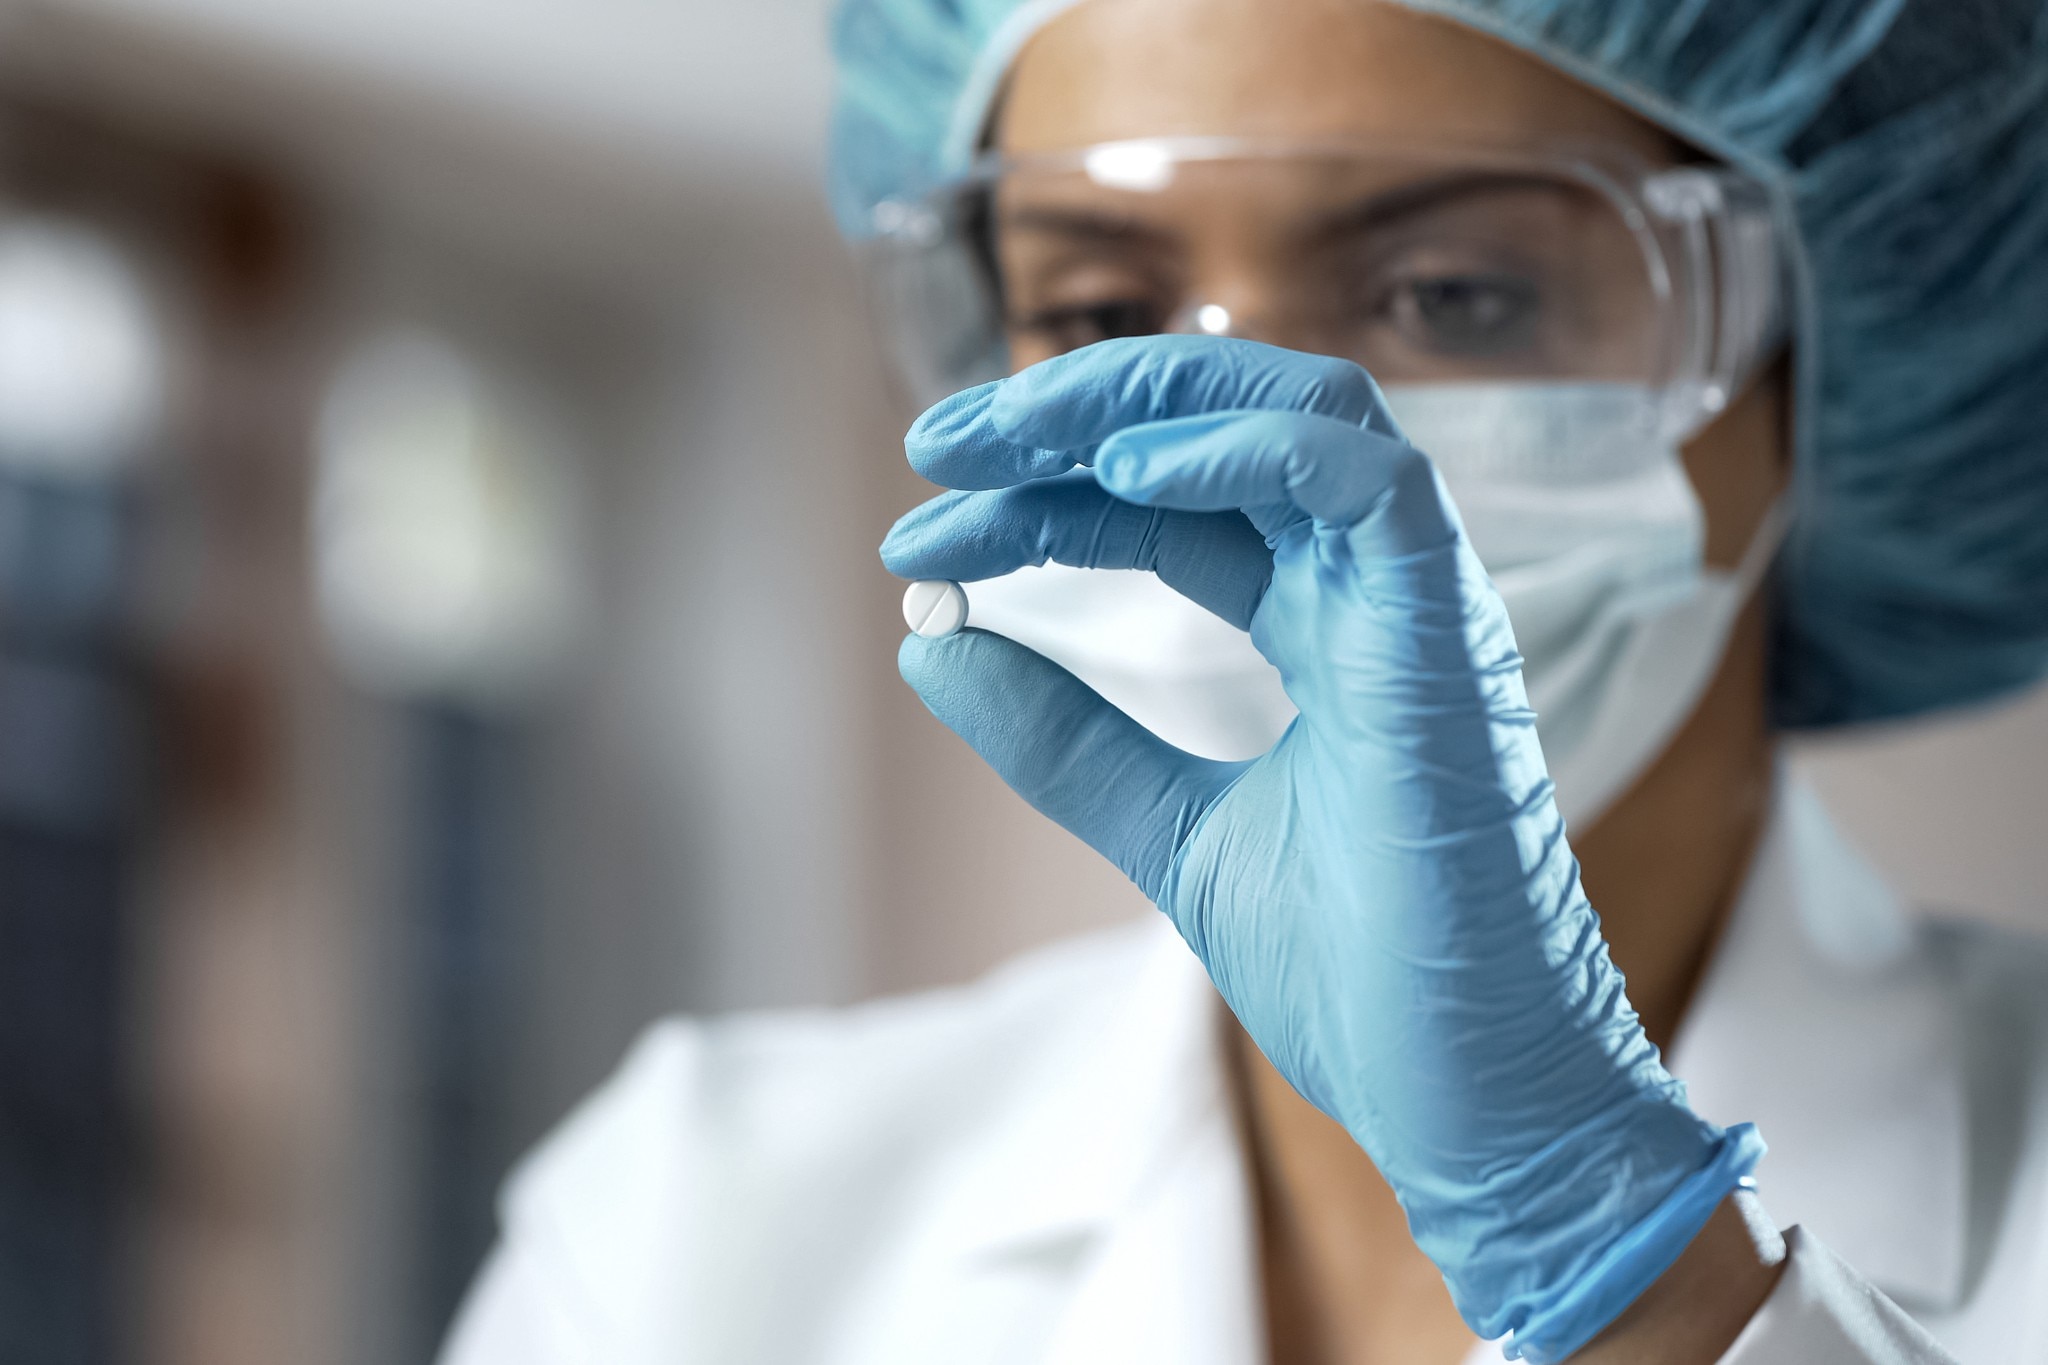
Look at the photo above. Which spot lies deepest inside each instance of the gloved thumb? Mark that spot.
(1123, 791)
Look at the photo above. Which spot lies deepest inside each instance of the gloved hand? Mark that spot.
(1386, 898)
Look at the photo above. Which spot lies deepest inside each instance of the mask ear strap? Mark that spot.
(1764, 544)
(1750, 273)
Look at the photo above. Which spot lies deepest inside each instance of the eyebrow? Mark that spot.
(1371, 211)
(1084, 224)
(1376, 210)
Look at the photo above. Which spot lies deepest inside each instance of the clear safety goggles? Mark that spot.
(1425, 265)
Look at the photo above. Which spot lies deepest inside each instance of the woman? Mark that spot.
(1648, 293)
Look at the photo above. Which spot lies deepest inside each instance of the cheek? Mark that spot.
(1028, 351)
(1739, 466)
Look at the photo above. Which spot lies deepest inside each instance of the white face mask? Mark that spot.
(1584, 519)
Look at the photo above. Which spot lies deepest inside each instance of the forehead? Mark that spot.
(1106, 70)
(1291, 203)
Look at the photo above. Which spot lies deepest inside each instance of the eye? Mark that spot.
(1069, 327)
(1467, 314)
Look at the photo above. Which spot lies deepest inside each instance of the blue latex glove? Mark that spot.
(1386, 898)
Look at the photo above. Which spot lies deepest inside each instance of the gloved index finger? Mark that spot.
(955, 445)
(1076, 401)
(1215, 559)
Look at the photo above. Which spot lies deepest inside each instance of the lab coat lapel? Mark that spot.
(1174, 1277)
(1133, 1183)
(1819, 1020)
(1822, 1022)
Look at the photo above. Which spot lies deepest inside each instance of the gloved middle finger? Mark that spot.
(1044, 420)
(1379, 488)
(1076, 401)
(1216, 559)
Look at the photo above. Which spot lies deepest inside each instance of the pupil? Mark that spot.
(1472, 315)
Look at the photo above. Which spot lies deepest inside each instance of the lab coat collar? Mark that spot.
(1092, 1132)
(1823, 1020)
(1820, 1019)
(1131, 1193)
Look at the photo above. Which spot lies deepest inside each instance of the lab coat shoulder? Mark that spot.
(1998, 976)
(1824, 1313)
(1989, 980)
(732, 1167)
(1999, 981)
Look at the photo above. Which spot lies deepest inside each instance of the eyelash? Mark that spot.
(1048, 320)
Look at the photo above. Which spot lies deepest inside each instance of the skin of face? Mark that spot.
(1422, 266)
(1342, 1280)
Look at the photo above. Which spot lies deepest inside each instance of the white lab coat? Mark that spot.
(1043, 1167)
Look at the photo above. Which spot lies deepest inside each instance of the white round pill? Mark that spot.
(935, 607)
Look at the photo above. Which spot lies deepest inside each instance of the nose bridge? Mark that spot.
(1246, 265)
(1253, 315)
(1245, 284)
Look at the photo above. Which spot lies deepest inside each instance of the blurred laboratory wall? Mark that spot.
(481, 652)
(444, 634)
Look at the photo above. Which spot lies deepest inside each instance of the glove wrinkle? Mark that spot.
(1386, 899)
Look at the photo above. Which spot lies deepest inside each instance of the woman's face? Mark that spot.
(1419, 273)
(1114, 69)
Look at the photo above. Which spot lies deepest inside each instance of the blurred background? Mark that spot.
(441, 457)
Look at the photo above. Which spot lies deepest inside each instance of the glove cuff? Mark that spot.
(1635, 1260)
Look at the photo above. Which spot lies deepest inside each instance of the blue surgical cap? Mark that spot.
(1908, 140)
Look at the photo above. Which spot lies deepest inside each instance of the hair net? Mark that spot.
(1908, 141)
